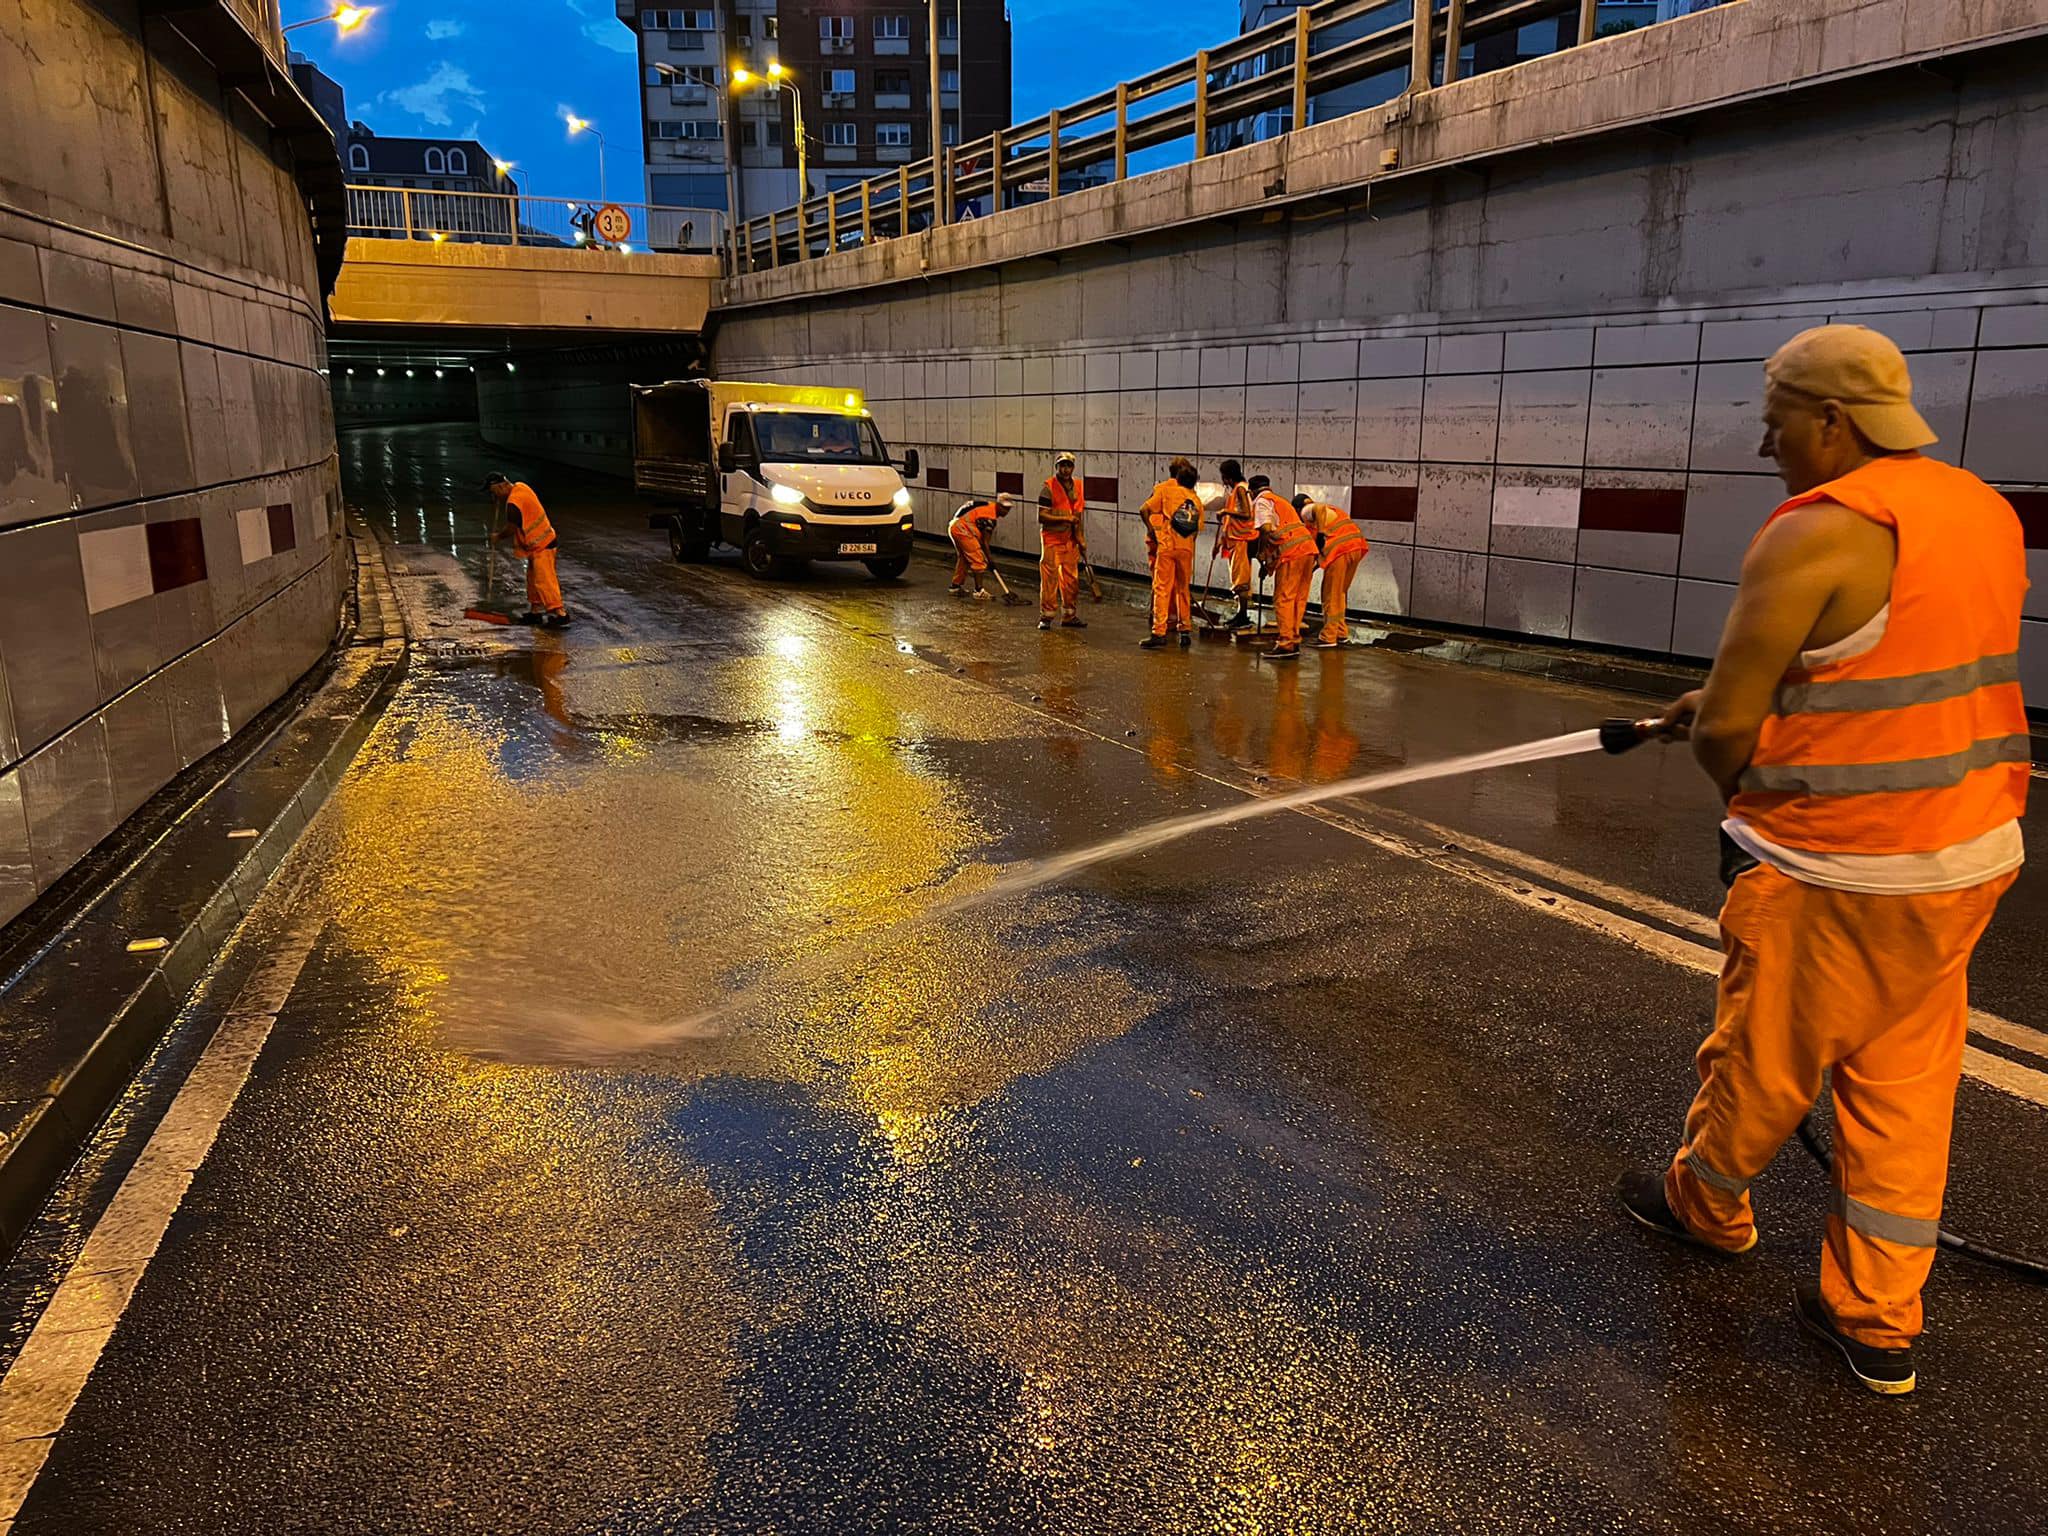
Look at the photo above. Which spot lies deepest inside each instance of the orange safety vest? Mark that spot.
(1167, 498)
(535, 532)
(978, 521)
(1341, 536)
(1238, 526)
(1919, 743)
(1077, 505)
(1290, 534)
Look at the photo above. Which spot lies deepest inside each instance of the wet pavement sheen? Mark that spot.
(1260, 1184)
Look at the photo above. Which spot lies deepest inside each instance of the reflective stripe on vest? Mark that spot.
(1238, 523)
(1057, 494)
(1295, 539)
(1885, 1226)
(1920, 742)
(1339, 536)
(535, 532)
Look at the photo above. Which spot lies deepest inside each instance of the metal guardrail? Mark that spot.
(1279, 68)
(498, 218)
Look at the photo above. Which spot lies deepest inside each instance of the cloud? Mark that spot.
(610, 34)
(429, 99)
(443, 27)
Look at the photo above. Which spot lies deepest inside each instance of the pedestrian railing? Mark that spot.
(1213, 99)
(498, 218)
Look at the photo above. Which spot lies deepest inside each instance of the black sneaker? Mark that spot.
(1186, 639)
(556, 621)
(1045, 623)
(1152, 643)
(1642, 1196)
(1073, 621)
(1887, 1371)
(533, 617)
(1237, 620)
(1329, 645)
(1283, 653)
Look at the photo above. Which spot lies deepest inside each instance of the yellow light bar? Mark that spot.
(846, 402)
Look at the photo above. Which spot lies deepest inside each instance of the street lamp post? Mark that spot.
(585, 125)
(938, 123)
(346, 18)
(728, 146)
(777, 75)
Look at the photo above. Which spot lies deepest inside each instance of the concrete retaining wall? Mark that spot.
(170, 522)
(573, 406)
(1536, 377)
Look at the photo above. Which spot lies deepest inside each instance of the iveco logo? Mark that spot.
(858, 495)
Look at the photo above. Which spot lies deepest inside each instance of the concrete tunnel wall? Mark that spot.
(170, 518)
(572, 405)
(1536, 380)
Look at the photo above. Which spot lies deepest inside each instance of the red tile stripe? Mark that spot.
(1384, 503)
(2032, 507)
(936, 477)
(1631, 509)
(1100, 490)
(284, 532)
(1010, 480)
(177, 554)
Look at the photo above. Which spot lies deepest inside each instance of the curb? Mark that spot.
(369, 662)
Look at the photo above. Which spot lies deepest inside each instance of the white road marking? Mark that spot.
(43, 1384)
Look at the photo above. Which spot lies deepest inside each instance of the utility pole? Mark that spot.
(938, 117)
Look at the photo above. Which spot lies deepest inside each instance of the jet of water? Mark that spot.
(1143, 839)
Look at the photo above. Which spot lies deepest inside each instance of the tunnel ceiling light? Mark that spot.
(408, 373)
(437, 373)
(380, 373)
(511, 367)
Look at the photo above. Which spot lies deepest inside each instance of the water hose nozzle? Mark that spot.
(1620, 734)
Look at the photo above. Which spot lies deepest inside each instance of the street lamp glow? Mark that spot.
(775, 69)
(743, 77)
(578, 124)
(346, 19)
(504, 167)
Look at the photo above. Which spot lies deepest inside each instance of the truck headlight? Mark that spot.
(902, 498)
(787, 495)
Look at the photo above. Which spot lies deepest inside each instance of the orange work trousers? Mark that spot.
(1239, 554)
(973, 559)
(1059, 580)
(1173, 580)
(1336, 594)
(1874, 988)
(543, 588)
(1290, 597)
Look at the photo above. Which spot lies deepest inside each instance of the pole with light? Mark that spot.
(585, 125)
(729, 145)
(346, 19)
(777, 75)
(938, 125)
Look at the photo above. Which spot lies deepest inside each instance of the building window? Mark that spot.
(949, 133)
(687, 128)
(458, 163)
(771, 133)
(949, 78)
(743, 29)
(678, 21)
(839, 82)
(842, 135)
(750, 136)
(949, 29)
(771, 28)
(435, 162)
(892, 135)
(694, 76)
(892, 82)
(835, 34)
(358, 158)
(892, 27)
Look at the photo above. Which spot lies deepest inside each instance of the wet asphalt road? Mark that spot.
(1260, 1184)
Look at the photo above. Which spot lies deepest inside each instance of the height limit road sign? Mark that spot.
(614, 224)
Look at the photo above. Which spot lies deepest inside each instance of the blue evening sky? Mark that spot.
(506, 71)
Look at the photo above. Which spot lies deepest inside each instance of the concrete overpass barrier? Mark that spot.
(1528, 358)
(425, 283)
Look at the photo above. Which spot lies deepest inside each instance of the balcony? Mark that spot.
(885, 45)
(830, 45)
(688, 95)
(893, 154)
(840, 154)
(892, 101)
(844, 101)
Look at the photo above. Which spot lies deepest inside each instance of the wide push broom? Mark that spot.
(488, 613)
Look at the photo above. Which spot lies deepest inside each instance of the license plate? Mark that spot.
(856, 549)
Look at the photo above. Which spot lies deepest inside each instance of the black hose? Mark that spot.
(2019, 1264)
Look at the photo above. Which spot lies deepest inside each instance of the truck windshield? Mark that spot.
(797, 437)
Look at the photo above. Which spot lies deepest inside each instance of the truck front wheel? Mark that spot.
(758, 554)
(890, 569)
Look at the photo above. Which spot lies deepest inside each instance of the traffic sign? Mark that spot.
(614, 224)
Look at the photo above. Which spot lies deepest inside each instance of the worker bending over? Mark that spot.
(532, 537)
(1864, 725)
(1289, 552)
(1236, 534)
(1342, 546)
(1063, 541)
(1173, 519)
(973, 529)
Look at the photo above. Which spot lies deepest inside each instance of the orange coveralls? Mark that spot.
(971, 530)
(1059, 560)
(1294, 566)
(1343, 547)
(533, 540)
(1172, 555)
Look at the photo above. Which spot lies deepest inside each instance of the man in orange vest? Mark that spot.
(1289, 551)
(1864, 725)
(1342, 545)
(972, 530)
(1063, 540)
(532, 537)
(1236, 533)
(1173, 519)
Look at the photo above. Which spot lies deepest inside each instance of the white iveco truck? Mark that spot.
(784, 473)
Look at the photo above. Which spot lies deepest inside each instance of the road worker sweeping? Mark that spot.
(1063, 541)
(1290, 553)
(972, 529)
(1342, 545)
(1173, 519)
(1236, 533)
(532, 537)
(1864, 724)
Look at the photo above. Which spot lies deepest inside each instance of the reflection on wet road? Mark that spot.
(641, 1151)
